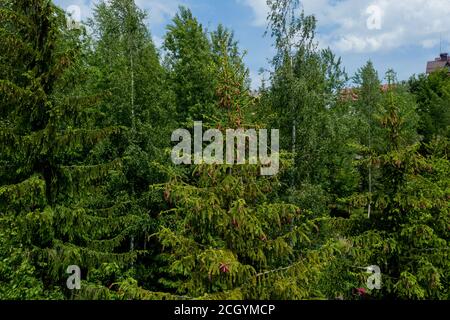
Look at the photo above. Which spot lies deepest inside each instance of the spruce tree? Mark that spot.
(223, 35)
(54, 208)
(407, 233)
(432, 94)
(367, 134)
(225, 235)
(190, 64)
(138, 100)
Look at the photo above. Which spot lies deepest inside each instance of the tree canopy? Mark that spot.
(86, 176)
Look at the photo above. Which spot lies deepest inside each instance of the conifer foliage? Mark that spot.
(86, 178)
(50, 216)
(407, 233)
(225, 234)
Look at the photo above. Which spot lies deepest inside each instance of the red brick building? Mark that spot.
(439, 63)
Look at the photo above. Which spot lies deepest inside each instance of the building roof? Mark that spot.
(439, 63)
(351, 94)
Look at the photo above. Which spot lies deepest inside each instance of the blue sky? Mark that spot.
(398, 34)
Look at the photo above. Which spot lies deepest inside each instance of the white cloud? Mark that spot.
(363, 26)
(429, 43)
(85, 7)
(159, 10)
(260, 10)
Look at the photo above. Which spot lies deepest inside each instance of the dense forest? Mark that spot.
(86, 177)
